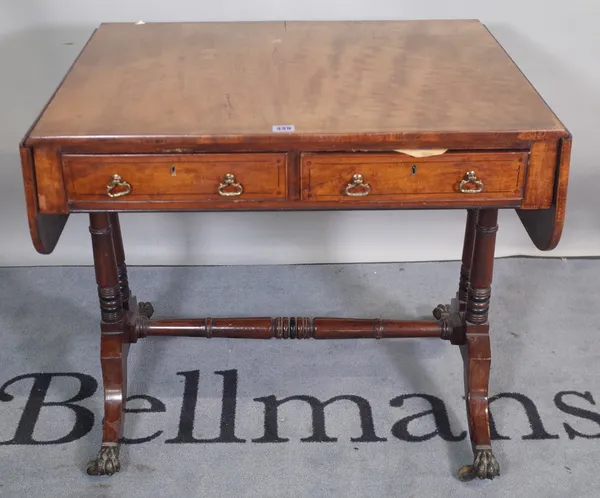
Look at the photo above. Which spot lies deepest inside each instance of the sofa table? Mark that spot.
(296, 116)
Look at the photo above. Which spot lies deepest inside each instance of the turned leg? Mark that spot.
(467, 258)
(145, 309)
(120, 259)
(113, 347)
(476, 351)
(447, 312)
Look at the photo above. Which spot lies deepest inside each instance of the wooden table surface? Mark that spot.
(207, 79)
(184, 117)
(168, 95)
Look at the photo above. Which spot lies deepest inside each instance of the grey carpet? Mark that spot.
(545, 328)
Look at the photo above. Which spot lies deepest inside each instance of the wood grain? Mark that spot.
(174, 107)
(176, 177)
(198, 205)
(122, 272)
(282, 142)
(401, 177)
(467, 258)
(219, 79)
(539, 188)
(49, 180)
(290, 328)
(545, 226)
(476, 352)
(45, 229)
(112, 324)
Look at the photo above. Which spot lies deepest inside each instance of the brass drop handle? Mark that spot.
(358, 182)
(470, 177)
(117, 182)
(229, 181)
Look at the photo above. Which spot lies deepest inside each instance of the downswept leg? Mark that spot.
(476, 352)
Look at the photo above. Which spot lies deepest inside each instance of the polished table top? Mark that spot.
(213, 79)
(245, 116)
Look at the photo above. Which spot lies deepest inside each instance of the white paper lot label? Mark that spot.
(283, 128)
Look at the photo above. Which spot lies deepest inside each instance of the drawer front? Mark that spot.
(192, 177)
(461, 178)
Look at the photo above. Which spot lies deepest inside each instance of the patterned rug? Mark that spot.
(242, 418)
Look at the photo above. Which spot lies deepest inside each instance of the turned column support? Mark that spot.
(452, 316)
(482, 267)
(120, 259)
(476, 352)
(123, 322)
(113, 343)
(105, 265)
(467, 258)
(289, 328)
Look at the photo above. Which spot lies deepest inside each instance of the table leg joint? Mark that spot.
(452, 326)
(111, 305)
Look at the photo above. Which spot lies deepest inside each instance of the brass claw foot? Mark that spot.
(106, 463)
(485, 466)
(146, 309)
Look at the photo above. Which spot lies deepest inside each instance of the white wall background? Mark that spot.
(556, 44)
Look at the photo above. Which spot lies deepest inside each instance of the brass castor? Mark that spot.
(485, 466)
(107, 462)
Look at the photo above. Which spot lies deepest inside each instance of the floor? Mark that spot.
(363, 418)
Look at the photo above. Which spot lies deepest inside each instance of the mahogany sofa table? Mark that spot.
(296, 116)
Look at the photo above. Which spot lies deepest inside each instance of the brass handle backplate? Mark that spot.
(117, 182)
(470, 177)
(358, 183)
(229, 181)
